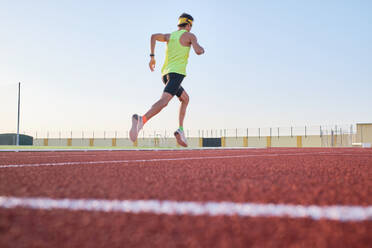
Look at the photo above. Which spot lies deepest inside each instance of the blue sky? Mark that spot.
(84, 64)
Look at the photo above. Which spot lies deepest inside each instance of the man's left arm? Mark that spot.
(199, 50)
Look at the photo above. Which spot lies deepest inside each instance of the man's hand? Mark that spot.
(152, 64)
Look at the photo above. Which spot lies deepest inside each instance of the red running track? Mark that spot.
(313, 176)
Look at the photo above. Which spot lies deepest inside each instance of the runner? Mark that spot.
(173, 72)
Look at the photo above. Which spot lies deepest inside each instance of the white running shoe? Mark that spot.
(180, 137)
(137, 125)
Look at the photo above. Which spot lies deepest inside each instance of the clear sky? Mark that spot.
(83, 65)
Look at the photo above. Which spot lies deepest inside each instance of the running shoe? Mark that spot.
(180, 137)
(137, 125)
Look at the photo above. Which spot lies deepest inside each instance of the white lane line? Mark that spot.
(154, 160)
(335, 212)
(131, 149)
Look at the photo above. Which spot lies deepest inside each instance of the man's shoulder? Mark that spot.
(189, 35)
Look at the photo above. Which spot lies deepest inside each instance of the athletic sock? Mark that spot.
(144, 119)
(181, 128)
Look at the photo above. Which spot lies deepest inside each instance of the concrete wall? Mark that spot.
(194, 142)
(364, 133)
(80, 142)
(284, 141)
(157, 142)
(326, 141)
(343, 140)
(103, 142)
(124, 142)
(259, 142)
(56, 142)
(234, 142)
(38, 142)
(311, 141)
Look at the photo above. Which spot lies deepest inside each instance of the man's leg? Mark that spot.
(179, 134)
(173, 82)
(139, 121)
(184, 99)
(159, 105)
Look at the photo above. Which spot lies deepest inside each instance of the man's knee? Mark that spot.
(184, 98)
(164, 102)
(165, 99)
(187, 99)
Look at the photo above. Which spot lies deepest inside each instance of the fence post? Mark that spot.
(291, 132)
(305, 131)
(351, 135)
(259, 133)
(278, 132)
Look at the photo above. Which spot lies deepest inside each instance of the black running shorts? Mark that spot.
(172, 83)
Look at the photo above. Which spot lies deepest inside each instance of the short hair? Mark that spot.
(185, 15)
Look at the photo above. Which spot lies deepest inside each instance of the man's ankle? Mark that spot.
(144, 119)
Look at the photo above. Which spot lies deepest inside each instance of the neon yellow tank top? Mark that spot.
(176, 55)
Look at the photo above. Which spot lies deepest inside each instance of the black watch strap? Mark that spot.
(152, 55)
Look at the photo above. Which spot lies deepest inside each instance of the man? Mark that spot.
(173, 72)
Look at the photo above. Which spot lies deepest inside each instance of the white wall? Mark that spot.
(282, 141)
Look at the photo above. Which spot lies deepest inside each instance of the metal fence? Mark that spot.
(341, 130)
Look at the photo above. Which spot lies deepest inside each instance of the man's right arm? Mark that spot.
(154, 38)
(197, 48)
(158, 37)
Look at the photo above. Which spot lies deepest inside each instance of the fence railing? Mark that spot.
(293, 131)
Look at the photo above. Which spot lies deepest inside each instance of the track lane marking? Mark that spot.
(156, 160)
(334, 212)
(167, 159)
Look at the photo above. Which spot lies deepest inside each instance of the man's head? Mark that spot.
(185, 21)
